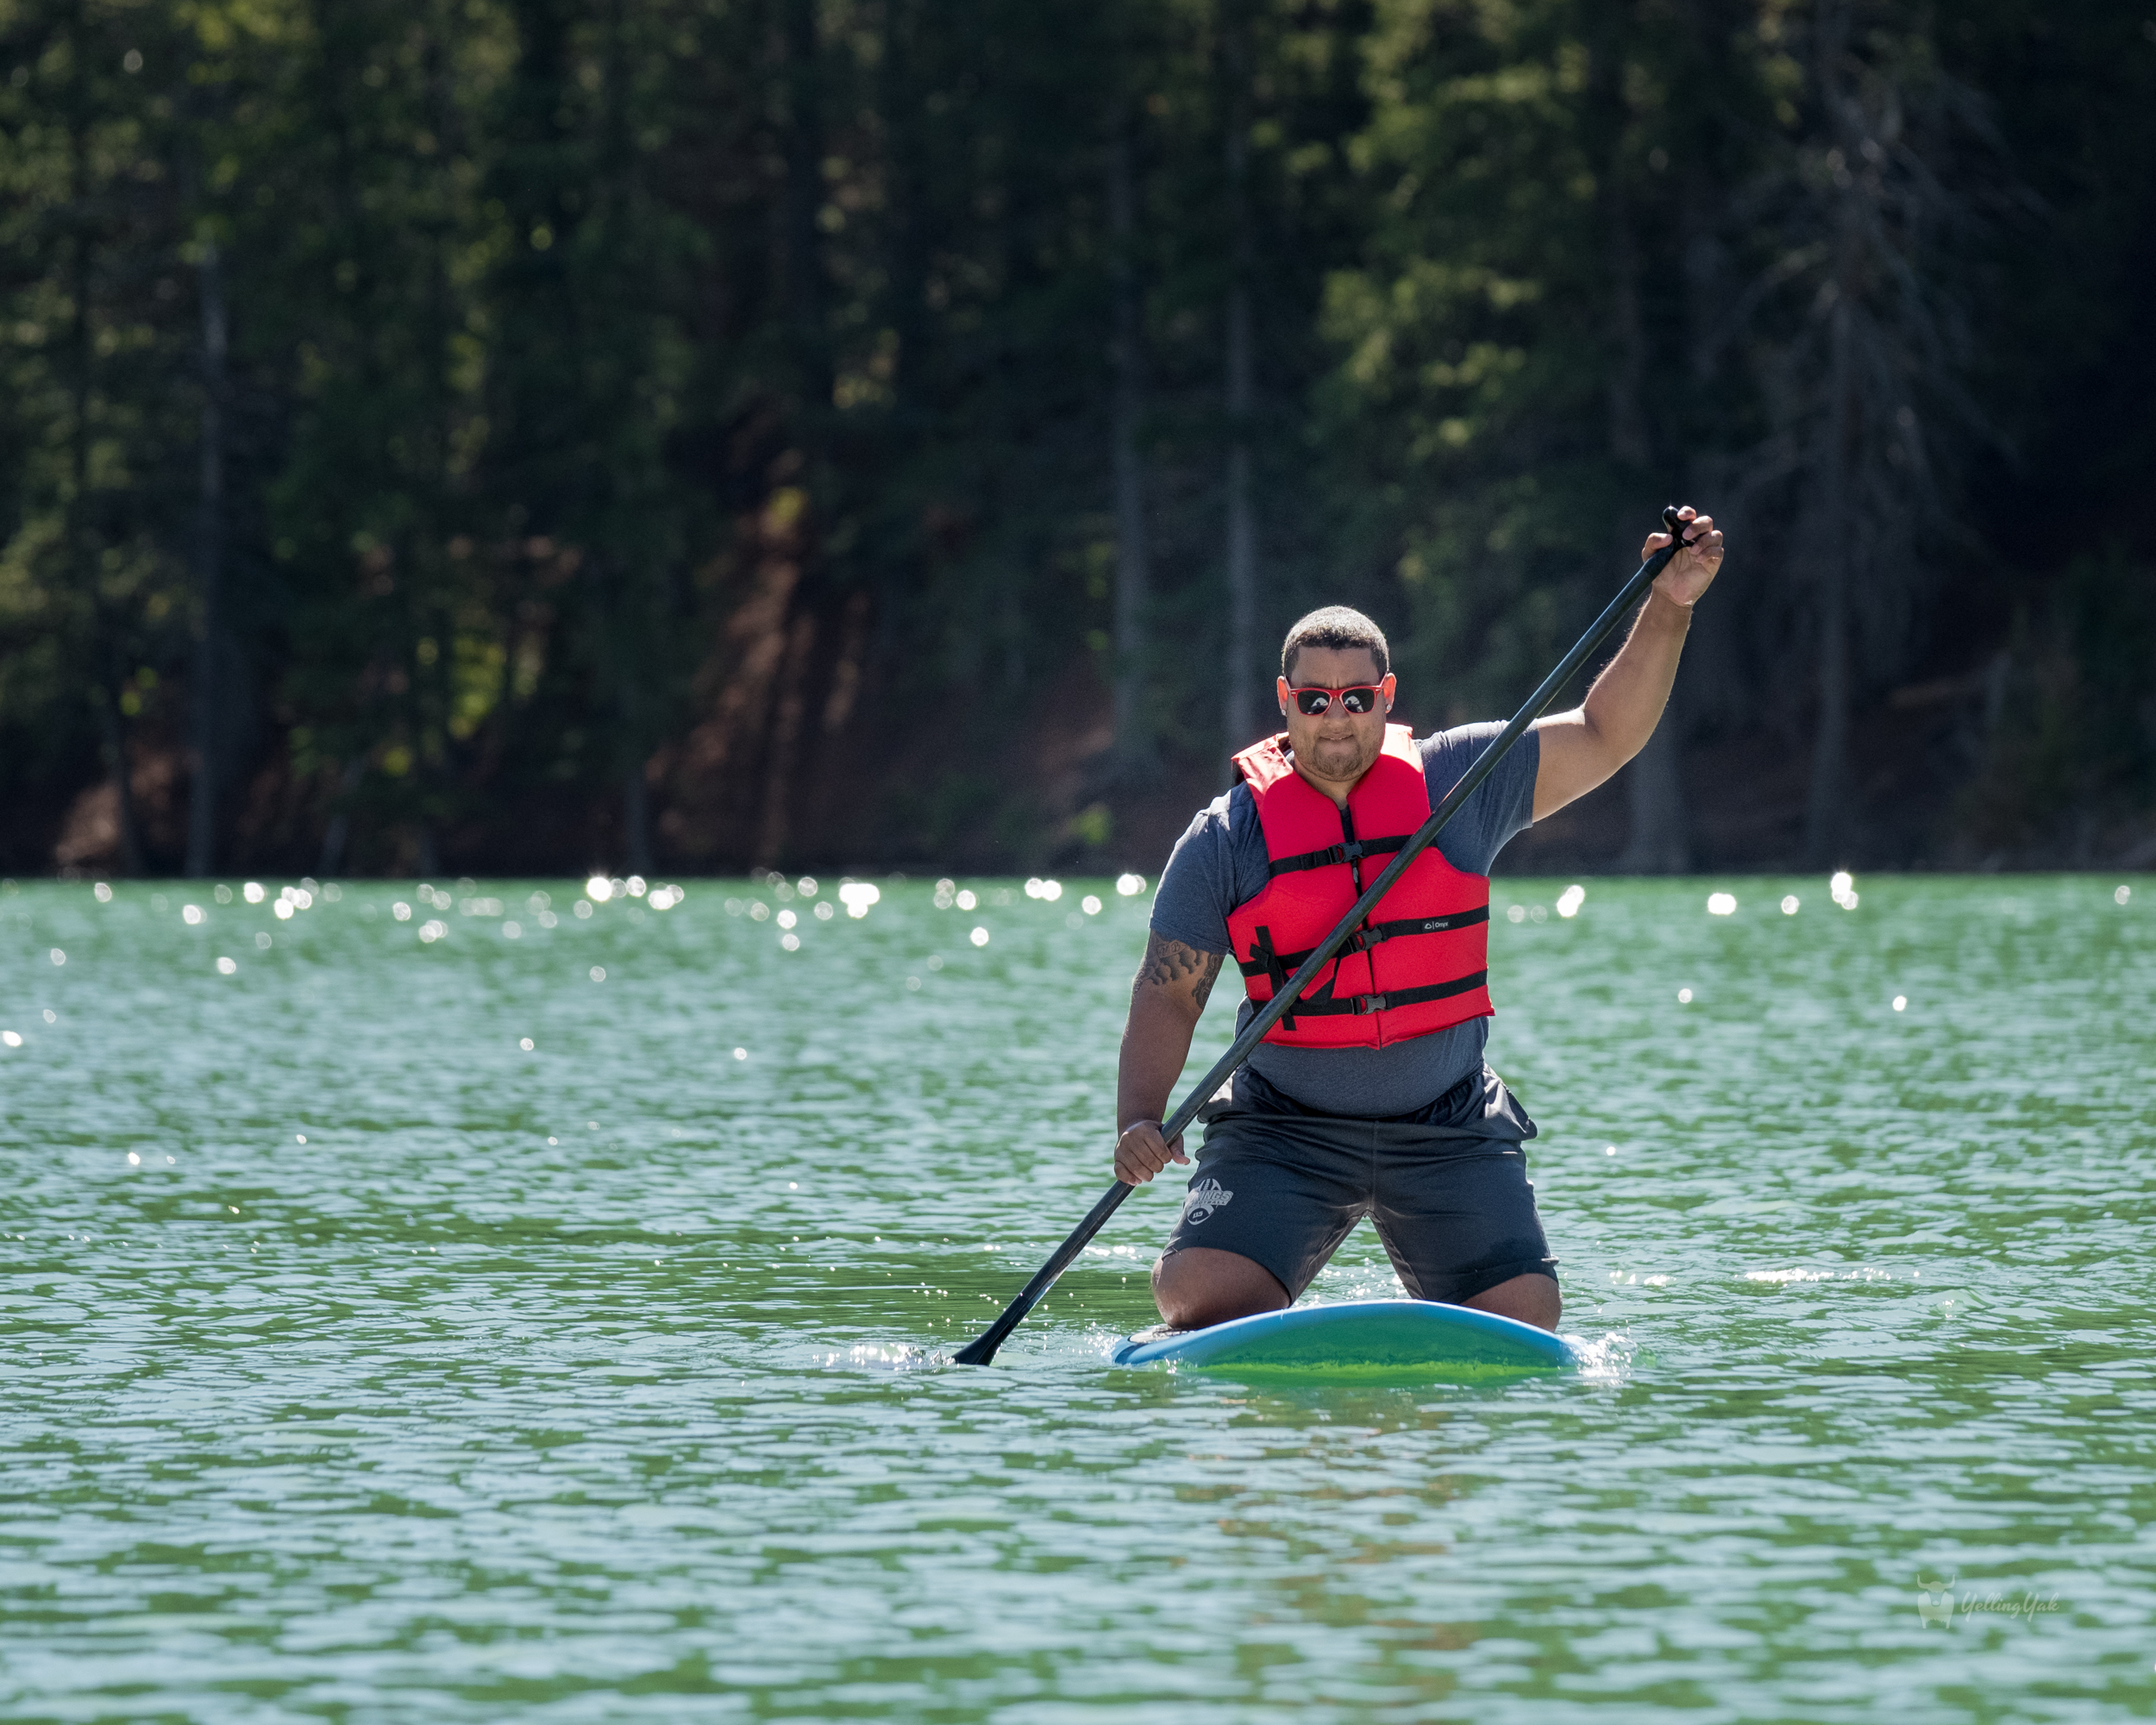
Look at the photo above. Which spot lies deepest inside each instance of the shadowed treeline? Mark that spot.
(687, 434)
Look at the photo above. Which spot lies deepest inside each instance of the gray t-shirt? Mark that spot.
(1219, 862)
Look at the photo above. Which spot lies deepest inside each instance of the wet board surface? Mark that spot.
(1368, 1338)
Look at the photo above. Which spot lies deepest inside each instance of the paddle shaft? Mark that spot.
(982, 1348)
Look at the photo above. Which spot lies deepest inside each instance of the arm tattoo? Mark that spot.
(1170, 964)
(1203, 991)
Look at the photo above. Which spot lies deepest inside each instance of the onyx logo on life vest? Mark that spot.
(1203, 1199)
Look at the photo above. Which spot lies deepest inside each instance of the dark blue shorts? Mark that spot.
(1446, 1187)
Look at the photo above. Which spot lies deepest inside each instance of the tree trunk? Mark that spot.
(614, 607)
(776, 827)
(908, 178)
(1240, 708)
(1630, 445)
(908, 205)
(636, 809)
(104, 654)
(336, 838)
(1134, 757)
(113, 724)
(1826, 814)
(801, 205)
(1826, 810)
(1654, 788)
(201, 802)
(1654, 841)
(1625, 428)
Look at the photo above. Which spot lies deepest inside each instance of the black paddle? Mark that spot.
(982, 1348)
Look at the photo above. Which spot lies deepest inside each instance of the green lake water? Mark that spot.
(358, 1363)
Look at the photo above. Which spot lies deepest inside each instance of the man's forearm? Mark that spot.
(1625, 703)
(1167, 1000)
(1155, 1043)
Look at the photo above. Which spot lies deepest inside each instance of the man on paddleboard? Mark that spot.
(1371, 1098)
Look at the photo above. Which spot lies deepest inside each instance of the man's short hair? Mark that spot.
(1339, 627)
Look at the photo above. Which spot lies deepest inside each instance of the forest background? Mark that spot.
(539, 435)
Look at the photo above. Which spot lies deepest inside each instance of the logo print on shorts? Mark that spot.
(1203, 1199)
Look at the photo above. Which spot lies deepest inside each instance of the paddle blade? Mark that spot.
(980, 1350)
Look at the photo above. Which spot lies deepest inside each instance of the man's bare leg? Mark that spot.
(1201, 1285)
(1532, 1299)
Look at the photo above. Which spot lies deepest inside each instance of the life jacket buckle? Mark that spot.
(1366, 1004)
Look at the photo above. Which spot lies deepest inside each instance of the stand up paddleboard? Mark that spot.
(1395, 1340)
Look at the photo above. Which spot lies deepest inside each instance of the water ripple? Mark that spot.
(407, 1372)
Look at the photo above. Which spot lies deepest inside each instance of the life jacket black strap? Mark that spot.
(1279, 965)
(1362, 1005)
(1354, 850)
(1271, 963)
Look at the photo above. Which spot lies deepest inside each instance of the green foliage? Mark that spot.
(2074, 732)
(679, 428)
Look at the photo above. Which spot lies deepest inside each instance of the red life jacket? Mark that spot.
(1419, 963)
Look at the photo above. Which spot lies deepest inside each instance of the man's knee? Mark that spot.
(1531, 1299)
(1201, 1285)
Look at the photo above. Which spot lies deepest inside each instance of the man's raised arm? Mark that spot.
(1583, 748)
(1167, 999)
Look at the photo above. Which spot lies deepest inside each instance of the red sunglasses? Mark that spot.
(1362, 698)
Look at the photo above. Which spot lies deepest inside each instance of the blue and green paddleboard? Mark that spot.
(1387, 1340)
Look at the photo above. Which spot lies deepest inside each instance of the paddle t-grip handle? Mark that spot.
(982, 1348)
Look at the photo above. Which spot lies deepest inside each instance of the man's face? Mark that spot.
(1336, 744)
